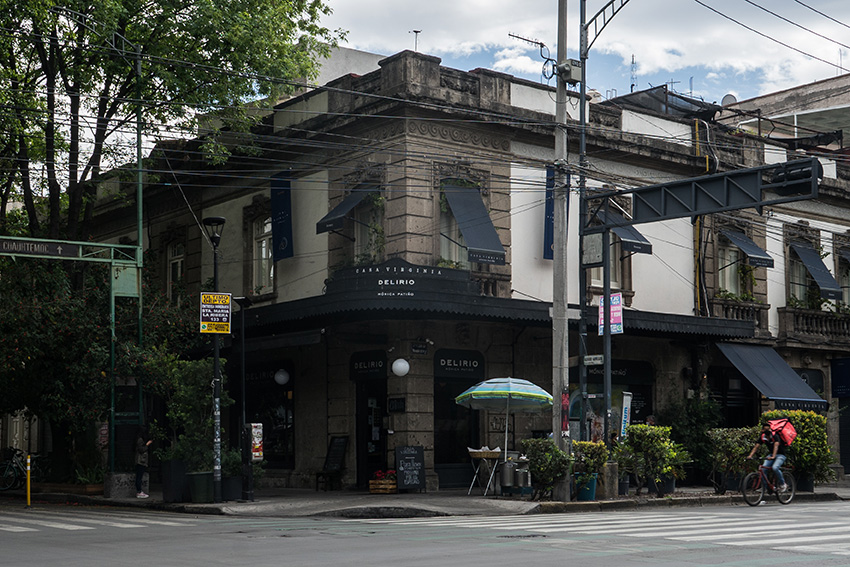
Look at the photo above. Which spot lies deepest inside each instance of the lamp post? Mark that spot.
(244, 436)
(214, 227)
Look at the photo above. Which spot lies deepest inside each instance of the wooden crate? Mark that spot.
(383, 486)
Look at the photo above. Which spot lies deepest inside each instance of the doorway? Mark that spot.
(370, 416)
(455, 430)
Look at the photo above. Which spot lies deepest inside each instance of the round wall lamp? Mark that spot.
(400, 367)
(281, 377)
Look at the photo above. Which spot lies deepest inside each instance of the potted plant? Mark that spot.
(810, 452)
(231, 474)
(547, 464)
(658, 461)
(625, 466)
(590, 458)
(384, 482)
(187, 433)
(729, 447)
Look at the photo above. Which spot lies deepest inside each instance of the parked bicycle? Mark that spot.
(13, 471)
(757, 484)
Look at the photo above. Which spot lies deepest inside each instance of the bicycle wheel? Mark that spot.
(788, 495)
(8, 476)
(752, 489)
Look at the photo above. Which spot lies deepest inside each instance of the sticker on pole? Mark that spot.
(215, 313)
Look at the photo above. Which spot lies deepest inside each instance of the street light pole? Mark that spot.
(214, 226)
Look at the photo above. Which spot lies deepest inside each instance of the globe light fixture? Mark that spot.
(400, 367)
(281, 377)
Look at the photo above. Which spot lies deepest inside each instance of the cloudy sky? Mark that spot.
(703, 48)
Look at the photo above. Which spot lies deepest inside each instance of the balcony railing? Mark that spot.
(743, 311)
(811, 325)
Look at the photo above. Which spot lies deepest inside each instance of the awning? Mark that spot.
(631, 240)
(335, 219)
(829, 288)
(844, 254)
(756, 257)
(482, 242)
(772, 376)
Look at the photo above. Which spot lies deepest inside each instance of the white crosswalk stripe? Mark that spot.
(813, 533)
(37, 520)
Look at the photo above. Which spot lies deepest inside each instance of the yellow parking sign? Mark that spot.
(215, 313)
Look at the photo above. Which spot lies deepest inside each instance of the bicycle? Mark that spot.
(13, 472)
(756, 484)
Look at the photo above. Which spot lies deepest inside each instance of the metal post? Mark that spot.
(213, 226)
(244, 432)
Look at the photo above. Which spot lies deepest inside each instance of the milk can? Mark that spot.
(508, 471)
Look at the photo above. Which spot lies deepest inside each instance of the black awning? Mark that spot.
(631, 240)
(755, 256)
(335, 219)
(772, 376)
(482, 241)
(829, 288)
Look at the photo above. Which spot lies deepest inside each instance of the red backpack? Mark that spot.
(784, 429)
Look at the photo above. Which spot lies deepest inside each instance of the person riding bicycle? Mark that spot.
(776, 452)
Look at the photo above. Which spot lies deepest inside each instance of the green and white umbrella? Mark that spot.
(508, 395)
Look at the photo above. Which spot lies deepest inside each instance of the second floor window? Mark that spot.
(728, 262)
(369, 239)
(799, 280)
(452, 246)
(616, 265)
(263, 281)
(176, 265)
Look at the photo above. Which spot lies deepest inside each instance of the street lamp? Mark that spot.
(214, 227)
(244, 436)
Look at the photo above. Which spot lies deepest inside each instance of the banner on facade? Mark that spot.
(616, 314)
(281, 196)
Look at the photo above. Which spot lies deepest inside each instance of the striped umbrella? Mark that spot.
(508, 395)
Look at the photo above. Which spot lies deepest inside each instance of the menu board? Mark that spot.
(410, 467)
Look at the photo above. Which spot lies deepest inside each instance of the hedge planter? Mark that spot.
(201, 486)
(586, 492)
(667, 485)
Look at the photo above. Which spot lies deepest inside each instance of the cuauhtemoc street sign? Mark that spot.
(215, 313)
(21, 247)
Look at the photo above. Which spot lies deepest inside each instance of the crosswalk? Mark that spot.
(24, 521)
(822, 530)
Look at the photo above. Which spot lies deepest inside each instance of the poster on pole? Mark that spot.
(626, 416)
(616, 314)
(215, 313)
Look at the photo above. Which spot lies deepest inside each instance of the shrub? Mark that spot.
(655, 454)
(810, 453)
(689, 422)
(729, 447)
(547, 463)
(590, 458)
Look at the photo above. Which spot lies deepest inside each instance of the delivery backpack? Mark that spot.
(783, 429)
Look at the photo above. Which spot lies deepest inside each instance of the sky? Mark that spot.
(702, 48)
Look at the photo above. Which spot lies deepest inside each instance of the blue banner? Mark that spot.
(281, 216)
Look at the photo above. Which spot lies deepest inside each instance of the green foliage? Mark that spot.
(655, 454)
(689, 422)
(198, 58)
(810, 453)
(547, 463)
(729, 447)
(590, 458)
(231, 462)
(186, 389)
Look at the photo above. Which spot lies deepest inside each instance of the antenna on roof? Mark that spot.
(548, 62)
(634, 73)
(415, 39)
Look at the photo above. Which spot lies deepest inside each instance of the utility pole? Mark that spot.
(560, 334)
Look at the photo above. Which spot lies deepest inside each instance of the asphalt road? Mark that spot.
(73, 536)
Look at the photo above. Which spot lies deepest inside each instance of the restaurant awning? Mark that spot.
(772, 376)
(473, 220)
(829, 288)
(631, 240)
(335, 219)
(756, 257)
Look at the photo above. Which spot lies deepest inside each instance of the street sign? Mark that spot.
(18, 246)
(593, 360)
(215, 313)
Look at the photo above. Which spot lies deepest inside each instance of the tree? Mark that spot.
(68, 78)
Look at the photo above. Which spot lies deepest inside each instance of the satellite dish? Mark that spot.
(728, 99)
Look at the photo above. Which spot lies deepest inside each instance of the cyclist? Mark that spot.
(776, 452)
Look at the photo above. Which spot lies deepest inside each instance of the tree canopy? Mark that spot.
(72, 75)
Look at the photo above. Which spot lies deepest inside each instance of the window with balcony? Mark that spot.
(369, 240)
(263, 260)
(615, 263)
(452, 246)
(728, 277)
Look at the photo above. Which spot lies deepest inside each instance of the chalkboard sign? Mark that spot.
(335, 459)
(410, 467)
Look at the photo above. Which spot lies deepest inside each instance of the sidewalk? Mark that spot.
(357, 504)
